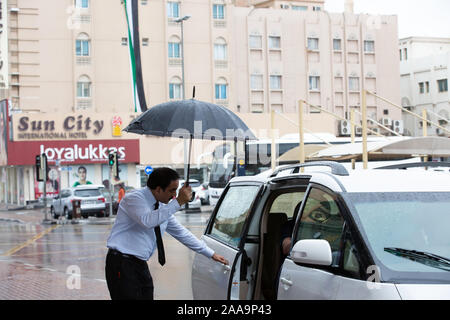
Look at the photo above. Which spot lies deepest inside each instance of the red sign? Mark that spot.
(73, 151)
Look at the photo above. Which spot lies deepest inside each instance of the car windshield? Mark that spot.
(87, 193)
(404, 230)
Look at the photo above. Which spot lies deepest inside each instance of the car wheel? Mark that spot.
(53, 212)
(67, 214)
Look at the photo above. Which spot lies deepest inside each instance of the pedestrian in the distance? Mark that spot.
(121, 192)
(142, 218)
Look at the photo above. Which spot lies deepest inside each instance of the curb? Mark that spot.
(11, 220)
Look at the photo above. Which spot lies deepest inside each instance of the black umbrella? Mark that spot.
(191, 119)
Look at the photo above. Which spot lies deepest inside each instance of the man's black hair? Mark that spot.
(162, 177)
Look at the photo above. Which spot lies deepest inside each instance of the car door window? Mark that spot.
(232, 214)
(351, 264)
(287, 203)
(322, 219)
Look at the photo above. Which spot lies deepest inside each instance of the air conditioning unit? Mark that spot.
(358, 131)
(386, 122)
(375, 131)
(398, 126)
(344, 128)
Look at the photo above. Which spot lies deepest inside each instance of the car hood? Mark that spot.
(424, 291)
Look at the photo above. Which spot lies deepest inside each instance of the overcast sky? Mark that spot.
(426, 18)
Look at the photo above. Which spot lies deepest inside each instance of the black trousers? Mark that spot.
(128, 277)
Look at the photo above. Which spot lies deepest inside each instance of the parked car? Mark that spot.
(368, 234)
(92, 202)
(203, 193)
(195, 204)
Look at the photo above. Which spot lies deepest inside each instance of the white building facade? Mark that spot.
(424, 68)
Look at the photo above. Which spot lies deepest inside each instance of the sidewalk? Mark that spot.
(21, 281)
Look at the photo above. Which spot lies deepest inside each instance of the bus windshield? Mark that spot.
(221, 173)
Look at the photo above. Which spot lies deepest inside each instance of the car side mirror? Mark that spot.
(313, 252)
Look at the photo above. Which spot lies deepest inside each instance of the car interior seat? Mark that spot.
(272, 254)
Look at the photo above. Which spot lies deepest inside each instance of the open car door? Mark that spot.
(226, 234)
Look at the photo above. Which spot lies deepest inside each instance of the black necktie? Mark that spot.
(159, 242)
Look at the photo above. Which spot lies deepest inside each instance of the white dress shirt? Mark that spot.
(133, 231)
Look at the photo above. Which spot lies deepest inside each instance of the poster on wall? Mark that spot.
(53, 184)
(82, 175)
(3, 132)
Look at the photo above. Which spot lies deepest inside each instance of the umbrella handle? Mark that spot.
(189, 162)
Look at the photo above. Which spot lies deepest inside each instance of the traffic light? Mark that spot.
(41, 167)
(114, 164)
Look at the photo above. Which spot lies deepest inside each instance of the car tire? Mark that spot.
(67, 213)
(53, 212)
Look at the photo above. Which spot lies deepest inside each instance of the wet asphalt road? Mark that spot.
(66, 261)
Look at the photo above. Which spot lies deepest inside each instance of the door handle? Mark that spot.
(286, 281)
(226, 268)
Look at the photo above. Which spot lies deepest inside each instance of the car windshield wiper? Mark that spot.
(426, 258)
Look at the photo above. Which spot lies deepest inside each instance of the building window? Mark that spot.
(405, 54)
(218, 11)
(421, 87)
(173, 10)
(175, 91)
(424, 87)
(145, 42)
(82, 4)
(274, 42)
(313, 44)
(220, 49)
(337, 45)
(443, 85)
(256, 82)
(353, 84)
(221, 89)
(315, 8)
(369, 46)
(314, 83)
(124, 41)
(82, 45)
(400, 51)
(299, 8)
(255, 42)
(275, 82)
(174, 50)
(84, 87)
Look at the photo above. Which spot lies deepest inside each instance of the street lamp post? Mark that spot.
(180, 20)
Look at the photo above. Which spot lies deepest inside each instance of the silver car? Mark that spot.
(92, 202)
(369, 234)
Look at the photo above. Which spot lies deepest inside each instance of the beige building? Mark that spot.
(65, 58)
(71, 58)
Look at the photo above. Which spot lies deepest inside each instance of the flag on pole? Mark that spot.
(131, 12)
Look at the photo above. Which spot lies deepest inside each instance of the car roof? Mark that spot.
(396, 180)
(370, 180)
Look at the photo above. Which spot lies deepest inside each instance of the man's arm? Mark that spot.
(135, 206)
(179, 232)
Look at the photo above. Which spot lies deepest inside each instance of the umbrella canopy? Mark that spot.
(191, 119)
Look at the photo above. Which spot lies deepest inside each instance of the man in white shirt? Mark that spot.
(142, 218)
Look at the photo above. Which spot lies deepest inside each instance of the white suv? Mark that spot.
(92, 201)
(369, 234)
